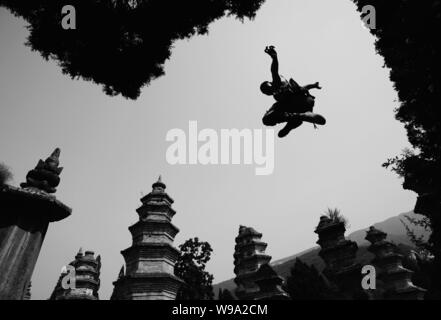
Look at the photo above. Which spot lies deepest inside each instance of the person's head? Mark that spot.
(310, 101)
(267, 88)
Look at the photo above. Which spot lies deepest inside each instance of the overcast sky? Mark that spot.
(113, 149)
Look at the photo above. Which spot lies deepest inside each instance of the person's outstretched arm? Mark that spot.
(312, 86)
(271, 51)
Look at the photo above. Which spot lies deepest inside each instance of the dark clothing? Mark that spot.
(284, 92)
(290, 97)
(275, 115)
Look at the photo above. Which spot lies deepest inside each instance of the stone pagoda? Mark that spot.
(249, 256)
(150, 261)
(339, 255)
(25, 216)
(87, 279)
(396, 279)
(270, 284)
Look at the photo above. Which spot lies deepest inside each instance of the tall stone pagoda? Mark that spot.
(25, 216)
(150, 261)
(249, 256)
(87, 279)
(339, 255)
(396, 279)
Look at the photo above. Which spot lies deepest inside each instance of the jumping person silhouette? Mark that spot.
(294, 103)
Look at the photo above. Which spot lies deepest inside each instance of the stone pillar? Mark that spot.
(25, 216)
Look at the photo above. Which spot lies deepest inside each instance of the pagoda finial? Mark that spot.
(55, 155)
(80, 253)
(46, 175)
(374, 235)
(159, 185)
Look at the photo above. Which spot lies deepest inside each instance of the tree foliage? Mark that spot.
(306, 283)
(419, 241)
(190, 267)
(404, 37)
(225, 294)
(336, 216)
(120, 44)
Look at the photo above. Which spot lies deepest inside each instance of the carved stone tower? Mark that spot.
(86, 276)
(249, 255)
(396, 279)
(25, 216)
(150, 261)
(339, 256)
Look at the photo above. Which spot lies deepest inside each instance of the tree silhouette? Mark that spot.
(225, 294)
(419, 241)
(191, 268)
(306, 283)
(120, 44)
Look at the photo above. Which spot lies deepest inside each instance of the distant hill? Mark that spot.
(392, 226)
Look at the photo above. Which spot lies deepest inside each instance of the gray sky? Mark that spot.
(113, 149)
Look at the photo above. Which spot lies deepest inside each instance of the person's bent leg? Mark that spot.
(291, 125)
(309, 117)
(315, 118)
(272, 116)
